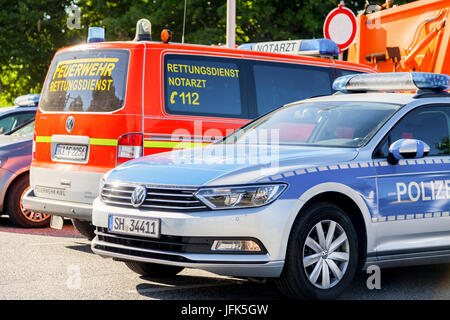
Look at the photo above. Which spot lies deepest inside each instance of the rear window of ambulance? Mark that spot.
(86, 81)
(203, 86)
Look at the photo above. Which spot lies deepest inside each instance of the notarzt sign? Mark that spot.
(292, 46)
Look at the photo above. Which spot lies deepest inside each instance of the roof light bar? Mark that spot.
(96, 34)
(395, 81)
(312, 47)
(28, 100)
(143, 30)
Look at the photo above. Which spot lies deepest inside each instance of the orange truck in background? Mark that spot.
(409, 37)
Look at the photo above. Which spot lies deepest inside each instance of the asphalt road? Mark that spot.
(58, 264)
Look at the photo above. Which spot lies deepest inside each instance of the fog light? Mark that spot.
(235, 245)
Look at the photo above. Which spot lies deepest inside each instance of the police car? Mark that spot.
(307, 194)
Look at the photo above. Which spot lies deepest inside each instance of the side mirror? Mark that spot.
(407, 149)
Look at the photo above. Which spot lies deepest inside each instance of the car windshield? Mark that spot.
(26, 130)
(330, 124)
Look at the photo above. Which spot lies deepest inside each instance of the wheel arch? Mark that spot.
(348, 200)
(11, 183)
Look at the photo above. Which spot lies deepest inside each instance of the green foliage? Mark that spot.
(31, 31)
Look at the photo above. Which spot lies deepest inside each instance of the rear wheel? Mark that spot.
(153, 270)
(85, 228)
(18, 214)
(322, 254)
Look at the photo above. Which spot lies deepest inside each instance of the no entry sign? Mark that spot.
(340, 26)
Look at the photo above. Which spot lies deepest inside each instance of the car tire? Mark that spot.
(153, 270)
(320, 267)
(18, 214)
(86, 228)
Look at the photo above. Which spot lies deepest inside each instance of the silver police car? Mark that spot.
(307, 195)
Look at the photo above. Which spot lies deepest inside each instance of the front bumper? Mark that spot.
(270, 225)
(68, 209)
(224, 264)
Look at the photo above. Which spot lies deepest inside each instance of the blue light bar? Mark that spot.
(28, 100)
(395, 81)
(323, 46)
(96, 34)
(316, 47)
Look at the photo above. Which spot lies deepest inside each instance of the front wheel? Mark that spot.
(153, 270)
(322, 255)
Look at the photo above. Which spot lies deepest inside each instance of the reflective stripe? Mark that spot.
(43, 139)
(103, 142)
(93, 141)
(147, 144)
(173, 144)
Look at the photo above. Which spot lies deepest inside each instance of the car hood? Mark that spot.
(214, 165)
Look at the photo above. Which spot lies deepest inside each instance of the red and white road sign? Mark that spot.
(340, 26)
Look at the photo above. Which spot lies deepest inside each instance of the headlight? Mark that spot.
(240, 197)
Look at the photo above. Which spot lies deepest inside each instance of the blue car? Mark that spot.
(23, 111)
(308, 194)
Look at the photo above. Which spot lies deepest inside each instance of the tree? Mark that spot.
(30, 33)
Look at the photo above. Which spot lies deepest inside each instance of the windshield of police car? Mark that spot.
(86, 81)
(329, 124)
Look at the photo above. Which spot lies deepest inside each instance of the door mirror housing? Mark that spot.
(407, 149)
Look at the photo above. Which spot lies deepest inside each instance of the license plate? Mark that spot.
(145, 227)
(70, 152)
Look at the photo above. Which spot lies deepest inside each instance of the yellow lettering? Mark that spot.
(78, 70)
(109, 69)
(101, 68)
(98, 85)
(86, 69)
(93, 69)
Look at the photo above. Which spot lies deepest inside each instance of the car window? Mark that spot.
(321, 123)
(11, 121)
(277, 84)
(86, 81)
(203, 86)
(26, 130)
(430, 124)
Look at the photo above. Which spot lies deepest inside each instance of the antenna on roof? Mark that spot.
(184, 21)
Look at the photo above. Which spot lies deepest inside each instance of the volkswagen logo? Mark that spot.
(138, 196)
(70, 123)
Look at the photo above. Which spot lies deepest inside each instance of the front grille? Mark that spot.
(175, 244)
(158, 198)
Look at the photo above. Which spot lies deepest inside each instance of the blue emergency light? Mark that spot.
(28, 100)
(96, 34)
(318, 47)
(393, 81)
(324, 47)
